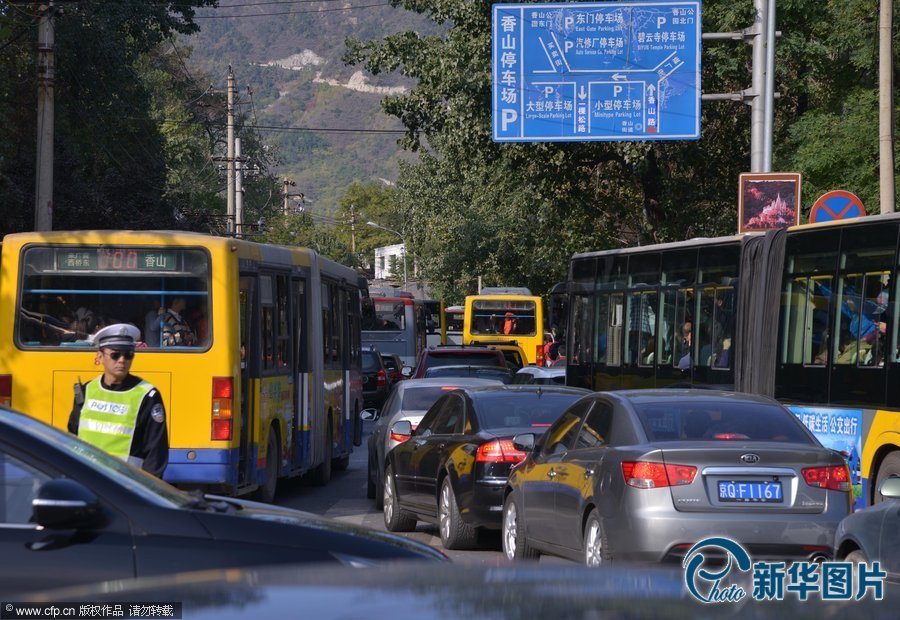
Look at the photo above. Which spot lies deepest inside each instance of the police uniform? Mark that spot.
(126, 419)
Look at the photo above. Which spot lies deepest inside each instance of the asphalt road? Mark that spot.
(344, 499)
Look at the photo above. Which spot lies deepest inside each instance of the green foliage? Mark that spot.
(372, 202)
(300, 230)
(514, 213)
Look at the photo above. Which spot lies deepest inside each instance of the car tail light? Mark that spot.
(382, 378)
(649, 475)
(834, 477)
(499, 451)
(539, 357)
(5, 390)
(399, 437)
(222, 408)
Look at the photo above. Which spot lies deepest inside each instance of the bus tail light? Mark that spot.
(5, 390)
(222, 408)
(539, 358)
(836, 477)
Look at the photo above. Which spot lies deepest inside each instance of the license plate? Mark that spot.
(750, 492)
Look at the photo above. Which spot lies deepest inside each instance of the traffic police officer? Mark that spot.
(119, 412)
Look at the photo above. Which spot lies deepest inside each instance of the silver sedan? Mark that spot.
(645, 474)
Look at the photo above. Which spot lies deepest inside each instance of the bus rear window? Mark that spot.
(496, 316)
(384, 315)
(68, 293)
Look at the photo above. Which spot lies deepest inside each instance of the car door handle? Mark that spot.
(551, 473)
(588, 473)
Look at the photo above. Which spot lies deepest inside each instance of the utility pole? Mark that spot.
(43, 201)
(238, 190)
(758, 112)
(285, 194)
(353, 229)
(886, 107)
(229, 161)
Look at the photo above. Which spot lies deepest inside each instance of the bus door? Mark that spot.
(300, 372)
(249, 353)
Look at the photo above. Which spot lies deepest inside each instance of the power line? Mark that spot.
(238, 15)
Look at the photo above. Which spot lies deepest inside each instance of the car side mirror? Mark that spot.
(66, 504)
(406, 371)
(524, 442)
(369, 415)
(402, 428)
(890, 488)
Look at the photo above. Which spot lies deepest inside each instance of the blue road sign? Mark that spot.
(596, 71)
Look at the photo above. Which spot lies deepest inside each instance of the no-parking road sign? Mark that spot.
(836, 205)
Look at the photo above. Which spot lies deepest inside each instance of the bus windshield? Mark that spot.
(69, 293)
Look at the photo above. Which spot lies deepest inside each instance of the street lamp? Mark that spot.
(402, 240)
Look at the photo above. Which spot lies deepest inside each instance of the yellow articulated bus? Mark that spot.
(506, 315)
(265, 386)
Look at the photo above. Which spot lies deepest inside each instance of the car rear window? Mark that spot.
(522, 410)
(370, 361)
(474, 358)
(420, 399)
(479, 372)
(389, 363)
(689, 419)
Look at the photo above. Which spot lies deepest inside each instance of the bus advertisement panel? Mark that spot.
(259, 369)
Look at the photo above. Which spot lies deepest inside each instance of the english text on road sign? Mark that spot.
(596, 71)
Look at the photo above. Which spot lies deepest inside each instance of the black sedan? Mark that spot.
(72, 514)
(453, 469)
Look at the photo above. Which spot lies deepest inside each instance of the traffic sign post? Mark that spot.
(596, 71)
(836, 205)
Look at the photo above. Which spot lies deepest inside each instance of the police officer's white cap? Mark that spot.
(118, 336)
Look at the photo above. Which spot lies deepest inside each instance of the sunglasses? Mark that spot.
(115, 355)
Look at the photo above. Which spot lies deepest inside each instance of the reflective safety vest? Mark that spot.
(108, 418)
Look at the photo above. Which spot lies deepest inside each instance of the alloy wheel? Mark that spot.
(593, 544)
(444, 512)
(510, 530)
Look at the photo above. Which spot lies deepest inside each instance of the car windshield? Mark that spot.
(690, 419)
(522, 410)
(481, 372)
(420, 399)
(139, 482)
(485, 358)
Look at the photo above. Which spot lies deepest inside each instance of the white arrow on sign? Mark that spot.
(618, 77)
(582, 94)
(651, 89)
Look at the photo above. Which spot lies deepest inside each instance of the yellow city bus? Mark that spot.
(506, 315)
(269, 386)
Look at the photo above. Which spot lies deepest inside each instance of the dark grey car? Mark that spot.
(874, 533)
(643, 475)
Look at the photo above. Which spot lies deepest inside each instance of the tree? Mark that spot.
(372, 202)
(110, 160)
(514, 213)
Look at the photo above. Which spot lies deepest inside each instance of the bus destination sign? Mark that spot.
(115, 259)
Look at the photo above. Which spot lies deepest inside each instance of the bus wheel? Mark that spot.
(342, 463)
(266, 492)
(322, 473)
(890, 466)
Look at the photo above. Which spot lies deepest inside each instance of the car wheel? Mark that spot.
(856, 557)
(322, 473)
(515, 545)
(596, 549)
(890, 466)
(266, 492)
(394, 521)
(455, 534)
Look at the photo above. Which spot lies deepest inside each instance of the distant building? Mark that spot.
(389, 261)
